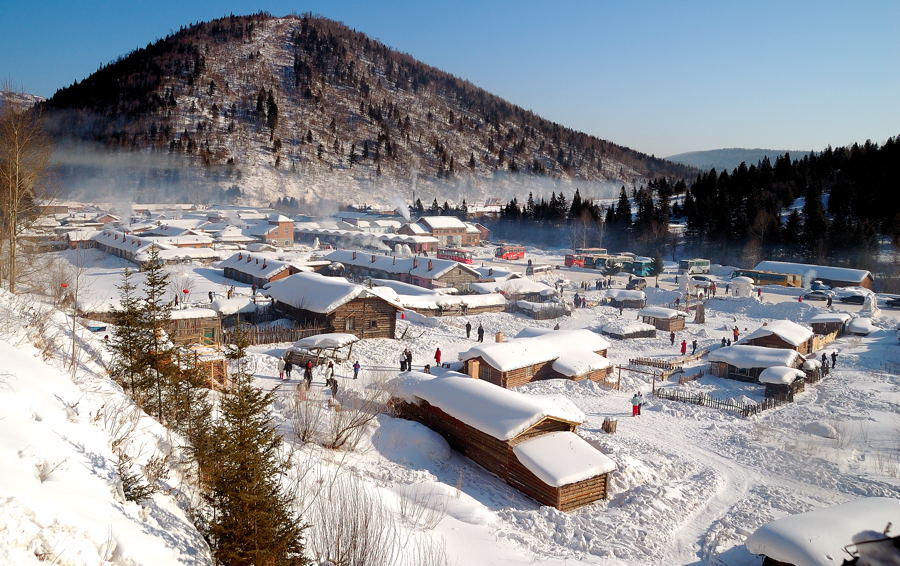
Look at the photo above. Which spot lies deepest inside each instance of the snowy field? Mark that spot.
(692, 482)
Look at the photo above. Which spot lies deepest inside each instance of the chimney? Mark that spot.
(373, 258)
(430, 265)
(415, 263)
(240, 255)
(499, 337)
(394, 262)
(354, 255)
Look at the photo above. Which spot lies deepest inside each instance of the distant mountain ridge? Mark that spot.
(729, 158)
(305, 107)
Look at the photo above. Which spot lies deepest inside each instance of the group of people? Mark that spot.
(480, 331)
(580, 301)
(636, 401)
(405, 360)
(834, 357)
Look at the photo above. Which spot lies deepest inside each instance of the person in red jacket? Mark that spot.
(437, 357)
(683, 347)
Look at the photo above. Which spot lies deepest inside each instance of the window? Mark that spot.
(349, 323)
(209, 335)
(373, 323)
(484, 371)
(529, 371)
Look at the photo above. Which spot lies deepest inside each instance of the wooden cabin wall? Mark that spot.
(773, 341)
(579, 494)
(373, 318)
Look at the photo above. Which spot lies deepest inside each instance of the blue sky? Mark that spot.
(661, 77)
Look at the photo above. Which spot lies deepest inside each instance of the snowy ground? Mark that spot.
(692, 482)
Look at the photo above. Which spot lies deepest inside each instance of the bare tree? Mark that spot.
(24, 154)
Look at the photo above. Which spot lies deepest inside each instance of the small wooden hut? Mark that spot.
(334, 304)
(827, 322)
(663, 318)
(210, 361)
(626, 298)
(782, 382)
(781, 334)
(626, 329)
(528, 442)
(195, 326)
(745, 363)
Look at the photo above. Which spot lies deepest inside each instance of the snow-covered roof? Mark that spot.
(660, 312)
(513, 354)
(817, 538)
(442, 222)
(417, 228)
(831, 317)
(496, 411)
(329, 340)
(626, 295)
(417, 266)
(740, 279)
(623, 326)
(576, 364)
(227, 307)
(255, 265)
(580, 339)
(787, 330)
(780, 375)
(815, 271)
(184, 314)
(861, 325)
(562, 458)
(316, 293)
(811, 364)
(746, 357)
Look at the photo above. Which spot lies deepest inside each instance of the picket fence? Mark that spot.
(745, 409)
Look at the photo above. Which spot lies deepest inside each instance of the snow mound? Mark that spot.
(409, 443)
(821, 429)
(444, 498)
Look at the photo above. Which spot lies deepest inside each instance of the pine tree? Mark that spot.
(253, 523)
(156, 312)
(128, 342)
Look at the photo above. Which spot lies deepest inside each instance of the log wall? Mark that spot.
(773, 341)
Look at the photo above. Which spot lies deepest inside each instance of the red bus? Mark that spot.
(462, 256)
(574, 260)
(509, 251)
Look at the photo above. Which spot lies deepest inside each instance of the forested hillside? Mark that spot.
(308, 108)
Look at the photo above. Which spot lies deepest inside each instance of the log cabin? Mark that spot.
(430, 273)
(527, 441)
(254, 269)
(626, 298)
(663, 318)
(334, 304)
(781, 334)
(745, 363)
(828, 322)
(538, 353)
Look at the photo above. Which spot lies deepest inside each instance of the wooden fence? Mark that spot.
(272, 335)
(745, 409)
(657, 363)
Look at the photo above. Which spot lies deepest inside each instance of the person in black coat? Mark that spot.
(288, 366)
(468, 329)
(480, 333)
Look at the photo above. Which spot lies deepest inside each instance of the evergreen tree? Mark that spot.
(155, 317)
(623, 209)
(128, 342)
(252, 521)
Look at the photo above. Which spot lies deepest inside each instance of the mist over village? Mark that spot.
(426, 285)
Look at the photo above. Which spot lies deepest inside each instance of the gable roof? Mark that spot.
(317, 293)
(417, 266)
(746, 357)
(255, 265)
(442, 222)
(499, 412)
(787, 330)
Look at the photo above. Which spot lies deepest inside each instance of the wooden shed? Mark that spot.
(527, 441)
(663, 318)
(195, 326)
(781, 334)
(538, 353)
(254, 269)
(626, 298)
(827, 322)
(782, 382)
(745, 363)
(334, 305)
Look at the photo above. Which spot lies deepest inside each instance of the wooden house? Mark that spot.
(430, 273)
(663, 318)
(255, 269)
(626, 298)
(209, 361)
(782, 382)
(334, 305)
(195, 326)
(449, 230)
(626, 329)
(537, 354)
(527, 441)
(745, 363)
(827, 322)
(821, 536)
(781, 334)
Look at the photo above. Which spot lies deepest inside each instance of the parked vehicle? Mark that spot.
(509, 251)
(637, 284)
(769, 277)
(817, 285)
(893, 303)
(817, 295)
(462, 256)
(696, 265)
(853, 299)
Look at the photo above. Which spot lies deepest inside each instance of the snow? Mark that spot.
(747, 357)
(576, 339)
(576, 364)
(862, 326)
(418, 266)
(314, 292)
(513, 354)
(626, 295)
(660, 312)
(234, 305)
(812, 272)
(410, 443)
(442, 222)
(830, 317)
(562, 458)
(789, 331)
(780, 375)
(329, 340)
(499, 412)
(193, 312)
(623, 326)
(818, 538)
(262, 267)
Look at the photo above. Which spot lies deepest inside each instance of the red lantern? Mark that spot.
(64, 285)
(185, 291)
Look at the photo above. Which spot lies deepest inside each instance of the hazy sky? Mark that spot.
(661, 77)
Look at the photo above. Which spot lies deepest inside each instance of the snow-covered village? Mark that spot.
(409, 284)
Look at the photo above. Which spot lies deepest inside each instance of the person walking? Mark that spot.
(672, 337)
(210, 296)
(635, 405)
(621, 310)
(828, 302)
(824, 361)
(736, 333)
(577, 301)
(468, 329)
(329, 371)
(640, 402)
(408, 359)
(480, 333)
(281, 365)
(403, 361)
(683, 347)
(723, 341)
(759, 293)
(288, 367)
(333, 385)
(307, 373)
(356, 367)
(833, 359)
(253, 289)
(693, 347)
(437, 357)
(727, 288)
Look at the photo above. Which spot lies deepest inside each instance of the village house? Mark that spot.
(781, 334)
(782, 382)
(430, 273)
(333, 304)
(431, 302)
(449, 230)
(833, 276)
(195, 326)
(536, 354)
(663, 318)
(275, 229)
(254, 269)
(528, 441)
(827, 322)
(626, 298)
(137, 248)
(745, 363)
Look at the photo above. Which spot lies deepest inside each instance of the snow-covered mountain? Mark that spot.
(305, 107)
(729, 158)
